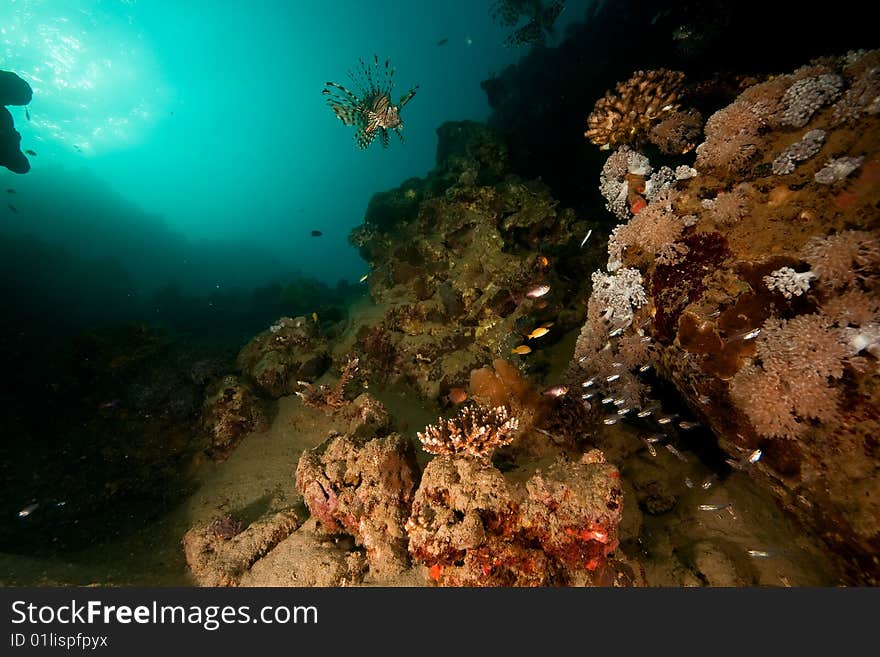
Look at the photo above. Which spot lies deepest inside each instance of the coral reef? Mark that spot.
(452, 258)
(363, 488)
(760, 297)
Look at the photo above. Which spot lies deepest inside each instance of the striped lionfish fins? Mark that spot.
(343, 102)
(369, 108)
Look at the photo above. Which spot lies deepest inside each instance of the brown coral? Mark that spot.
(626, 116)
(678, 132)
(798, 357)
(841, 260)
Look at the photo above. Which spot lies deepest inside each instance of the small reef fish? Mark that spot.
(555, 391)
(584, 241)
(13, 208)
(457, 395)
(364, 277)
(758, 554)
(30, 152)
(616, 332)
(10, 191)
(685, 424)
(370, 109)
(317, 233)
(754, 457)
(522, 350)
(676, 453)
(538, 291)
(543, 261)
(611, 378)
(651, 449)
(28, 510)
(538, 332)
(27, 114)
(315, 317)
(443, 41)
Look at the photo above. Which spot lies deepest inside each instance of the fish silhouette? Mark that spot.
(317, 233)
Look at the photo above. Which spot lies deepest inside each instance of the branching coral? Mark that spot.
(627, 115)
(475, 431)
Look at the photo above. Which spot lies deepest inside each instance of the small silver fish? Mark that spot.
(688, 482)
(612, 378)
(755, 456)
(538, 291)
(616, 332)
(752, 334)
(584, 241)
(610, 420)
(644, 368)
(588, 395)
(666, 419)
(28, 510)
(758, 554)
(588, 383)
(619, 402)
(646, 412)
(676, 453)
(624, 411)
(651, 449)
(706, 485)
(656, 438)
(608, 400)
(684, 424)
(713, 507)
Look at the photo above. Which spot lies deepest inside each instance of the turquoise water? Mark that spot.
(199, 128)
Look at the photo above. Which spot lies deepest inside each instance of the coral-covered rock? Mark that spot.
(290, 350)
(308, 558)
(217, 557)
(452, 272)
(231, 410)
(369, 417)
(365, 489)
(472, 525)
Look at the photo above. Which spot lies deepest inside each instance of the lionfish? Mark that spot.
(370, 110)
(508, 13)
